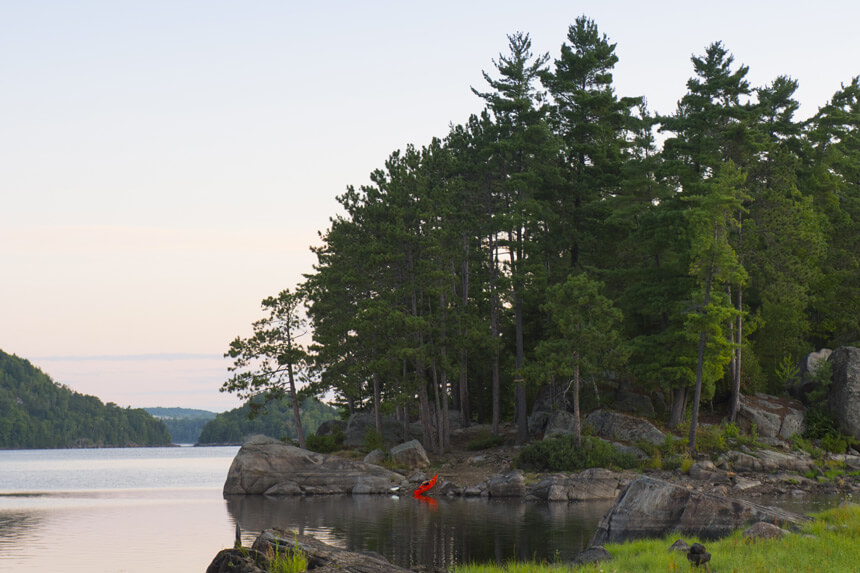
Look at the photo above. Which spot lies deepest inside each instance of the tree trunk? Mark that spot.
(442, 386)
(736, 356)
(494, 335)
(296, 412)
(520, 397)
(444, 420)
(736, 383)
(731, 339)
(402, 407)
(700, 362)
(465, 413)
(427, 436)
(577, 425)
(440, 438)
(679, 407)
(377, 415)
(297, 416)
(465, 410)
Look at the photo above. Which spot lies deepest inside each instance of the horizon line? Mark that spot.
(152, 356)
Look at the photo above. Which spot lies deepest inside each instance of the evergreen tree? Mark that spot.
(832, 176)
(269, 362)
(711, 128)
(593, 124)
(522, 152)
(713, 262)
(584, 338)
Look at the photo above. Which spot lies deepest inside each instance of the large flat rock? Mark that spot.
(267, 466)
(651, 507)
(588, 485)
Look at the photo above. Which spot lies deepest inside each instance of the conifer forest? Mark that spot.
(566, 235)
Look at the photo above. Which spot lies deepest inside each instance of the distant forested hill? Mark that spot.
(35, 412)
(183, 424)
(275, 420)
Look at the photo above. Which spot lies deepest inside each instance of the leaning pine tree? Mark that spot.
(269, 362)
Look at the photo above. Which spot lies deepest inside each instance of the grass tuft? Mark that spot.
(828, 544)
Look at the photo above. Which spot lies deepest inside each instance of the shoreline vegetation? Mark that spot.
(38, 413)
(827, 544)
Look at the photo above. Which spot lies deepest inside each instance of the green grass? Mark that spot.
(293, 562)
(289, 560)
(829, 544)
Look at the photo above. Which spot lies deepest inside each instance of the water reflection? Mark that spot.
(411, 533)
(16, 527)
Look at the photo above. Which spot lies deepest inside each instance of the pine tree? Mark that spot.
(269, 362)
(522, 152)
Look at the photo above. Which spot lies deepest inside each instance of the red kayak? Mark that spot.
(425, 485)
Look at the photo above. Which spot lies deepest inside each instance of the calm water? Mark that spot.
(409, 532)
(161, 509)
(141, 509)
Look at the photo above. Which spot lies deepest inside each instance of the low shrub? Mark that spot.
(325, 444)
(373, 440)
(485, 441)
(560, 453)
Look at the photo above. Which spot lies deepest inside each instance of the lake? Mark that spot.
(128, 509)
(161, 509)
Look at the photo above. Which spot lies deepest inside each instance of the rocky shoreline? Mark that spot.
(264, 466)
(759, 459)
(728, 487)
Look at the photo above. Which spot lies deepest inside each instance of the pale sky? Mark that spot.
(166, 164)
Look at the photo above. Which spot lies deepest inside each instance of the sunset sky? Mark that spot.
(165, 165)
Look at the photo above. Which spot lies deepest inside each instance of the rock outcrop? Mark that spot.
(410, 454)
(765, 461)
(359, 424)
(319, 556)
(512, 484)
(322, 556)
(591, 484)
(801, 385)
(592, 555)
(762, 530)
(375, 457)
(239, 561)
(843, 399)
(330, 427)
(621, 427)
(559, 422)
(267, 466)
(773, 417)
(651, 507)
(628, 401)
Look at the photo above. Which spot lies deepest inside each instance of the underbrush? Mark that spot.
(325, 444)
(829, 544)
(560, 453)
(485, 441)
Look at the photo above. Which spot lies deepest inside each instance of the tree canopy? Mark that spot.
(449, 281)
(36, 412)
